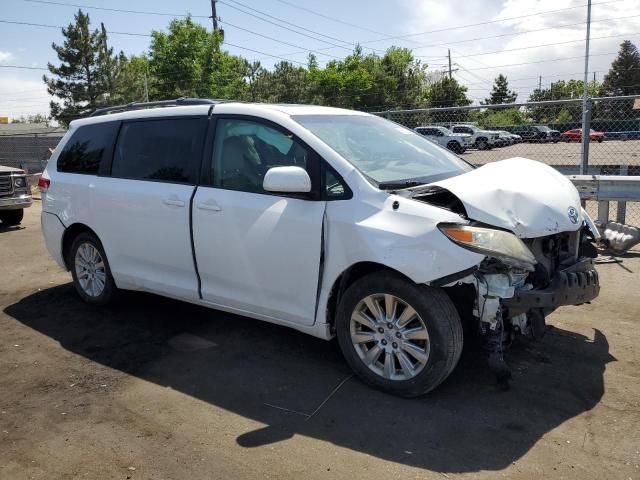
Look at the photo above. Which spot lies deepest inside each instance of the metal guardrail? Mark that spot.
(608, 188)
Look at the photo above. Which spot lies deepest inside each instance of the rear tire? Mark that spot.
(90, 270)
(482, 144)
(407, 351)
(10, 218)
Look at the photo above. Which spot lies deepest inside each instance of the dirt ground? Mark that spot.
(157, 389)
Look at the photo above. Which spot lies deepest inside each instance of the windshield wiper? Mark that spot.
(398, 185)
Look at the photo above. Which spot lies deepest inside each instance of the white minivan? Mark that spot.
(329, 221)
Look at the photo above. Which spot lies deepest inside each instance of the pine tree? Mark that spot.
(500, 93)
(86, 73)
(623, 77)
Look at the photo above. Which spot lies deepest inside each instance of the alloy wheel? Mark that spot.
(389, 336)
(90, 269)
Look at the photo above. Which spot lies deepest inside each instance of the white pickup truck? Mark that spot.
(456, 142)
(480, 139)
(14, 195)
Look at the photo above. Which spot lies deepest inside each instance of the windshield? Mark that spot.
(544, 129)
(390, 155)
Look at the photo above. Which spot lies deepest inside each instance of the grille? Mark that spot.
(6, 185)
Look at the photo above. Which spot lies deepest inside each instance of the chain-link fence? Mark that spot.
(550, 132)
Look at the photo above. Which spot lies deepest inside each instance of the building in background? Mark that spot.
(28, 145)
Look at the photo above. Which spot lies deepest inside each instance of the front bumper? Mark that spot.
(15, 203)
(574, 285)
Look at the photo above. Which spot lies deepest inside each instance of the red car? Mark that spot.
(575, 135)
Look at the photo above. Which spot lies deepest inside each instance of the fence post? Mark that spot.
(586, 128)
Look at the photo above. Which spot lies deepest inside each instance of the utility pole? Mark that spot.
(586, 104)
(449, 50)
(214, 15)
(540, 84)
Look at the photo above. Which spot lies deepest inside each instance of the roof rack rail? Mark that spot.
(178, 102)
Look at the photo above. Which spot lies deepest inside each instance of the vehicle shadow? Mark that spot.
(10, 228)
(280, 377)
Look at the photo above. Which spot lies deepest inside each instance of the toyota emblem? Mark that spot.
(572, 213)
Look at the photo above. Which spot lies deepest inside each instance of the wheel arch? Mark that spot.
(347, 278)
(70, 233)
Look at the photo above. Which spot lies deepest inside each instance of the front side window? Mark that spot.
(383, 151)
(161, 149)
(87, 148)
(245, 150)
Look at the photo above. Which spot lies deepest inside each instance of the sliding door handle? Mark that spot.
(209, 205)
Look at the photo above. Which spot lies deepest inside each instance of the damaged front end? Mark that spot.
(539, 246)
(517, 286)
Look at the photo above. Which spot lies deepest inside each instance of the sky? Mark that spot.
(523, 39)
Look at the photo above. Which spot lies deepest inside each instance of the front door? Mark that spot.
(257, 251)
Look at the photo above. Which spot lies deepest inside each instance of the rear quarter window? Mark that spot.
(88, 147)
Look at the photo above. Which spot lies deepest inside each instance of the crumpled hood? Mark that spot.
(527, 197)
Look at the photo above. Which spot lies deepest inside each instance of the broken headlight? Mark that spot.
(491, 242)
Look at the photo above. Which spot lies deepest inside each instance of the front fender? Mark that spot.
(405, 239)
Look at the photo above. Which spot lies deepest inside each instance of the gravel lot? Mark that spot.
(157, 389)
(613, 152)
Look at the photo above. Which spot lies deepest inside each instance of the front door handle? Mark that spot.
(210, 205)
(172, 202)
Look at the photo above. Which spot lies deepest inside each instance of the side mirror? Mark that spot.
(287, 180)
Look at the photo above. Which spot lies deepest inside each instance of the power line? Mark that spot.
(546, 44)
(489, 22)
(319, 51)
(276, 39)
(520, 32)
(291, 29)
(139, 12)
(537, 62)
(287, 22)
(502, 35)
(333, 19)
(44, 25)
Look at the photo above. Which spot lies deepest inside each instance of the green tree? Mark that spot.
(560, 90)
(623, 77)
(500, 92)
(181, 60)
(83, 80)
(188, 61)
(490, 118)
(447, 92)
(133, 80)
(36, 118)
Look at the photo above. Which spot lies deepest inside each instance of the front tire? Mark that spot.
(11, 218)
(455, 147)
(398, 336)
(90, 270)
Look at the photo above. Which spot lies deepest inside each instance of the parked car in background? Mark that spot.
(536, 133)
(456, 142)
(575, 135)
(480, 139)
(15, 195)
(547, 134)
(512, 138)
(330, 221)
